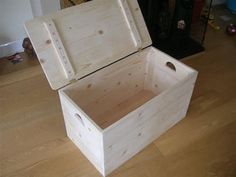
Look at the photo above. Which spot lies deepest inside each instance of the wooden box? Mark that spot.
(118, 93)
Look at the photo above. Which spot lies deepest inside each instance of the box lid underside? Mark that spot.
(77, 41)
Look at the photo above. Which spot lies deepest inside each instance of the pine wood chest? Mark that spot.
(118, 93)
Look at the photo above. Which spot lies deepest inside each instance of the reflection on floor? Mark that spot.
(7, 66)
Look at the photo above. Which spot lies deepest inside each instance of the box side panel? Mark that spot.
(139, 128)
(83, 133)
(163, 71)
(174, 68)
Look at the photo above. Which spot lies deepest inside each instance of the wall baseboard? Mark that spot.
(11, 48)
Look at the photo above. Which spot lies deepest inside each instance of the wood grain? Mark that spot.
(126, 111)
(123, 108)
(33, 140)
(90, 36)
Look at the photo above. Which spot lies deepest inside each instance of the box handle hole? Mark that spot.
(171, 65)
(79, 118)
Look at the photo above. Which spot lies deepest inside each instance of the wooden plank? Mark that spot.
(159, 76)
(140, 23)
(75, 138)
(76, 109)
(117, 112)
(94, 34)
(83, 133)
(60, 49)
(131, 24)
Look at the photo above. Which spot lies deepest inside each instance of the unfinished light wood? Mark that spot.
(131, 23)
(114, 112)
(94, 34)
(60, 49)
(130, 102)
(83, 133)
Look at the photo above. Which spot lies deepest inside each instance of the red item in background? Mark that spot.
(197, 9)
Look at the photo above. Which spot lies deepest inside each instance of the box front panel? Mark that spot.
(139, 128)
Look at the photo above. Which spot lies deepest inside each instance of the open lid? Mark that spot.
(77, 41)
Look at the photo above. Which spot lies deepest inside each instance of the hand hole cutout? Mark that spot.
(171, 65)
(78, 117)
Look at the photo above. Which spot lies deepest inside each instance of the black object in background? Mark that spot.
(169, 24)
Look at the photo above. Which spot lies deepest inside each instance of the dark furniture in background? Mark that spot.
(170, 25)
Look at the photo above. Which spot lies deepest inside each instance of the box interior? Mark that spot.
(112, 92)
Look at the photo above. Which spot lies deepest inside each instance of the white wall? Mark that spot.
(49, 6)
(36, 7)
(13, 14)
(44, 7)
